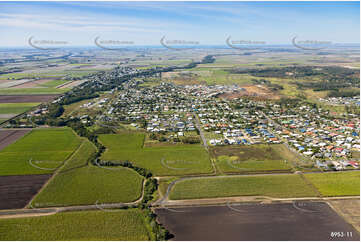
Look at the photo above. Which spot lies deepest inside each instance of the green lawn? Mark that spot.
(16, 108)
(251, 158)
(161, 160)
(80, 183)
(47, 148)
(277, 186)
(126, 225)
(336, 183)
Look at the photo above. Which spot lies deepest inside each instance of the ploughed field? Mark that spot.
(257, 222)
(17, 191)
(127, 225)
(26, 98)
(161, 160)
(8, 137)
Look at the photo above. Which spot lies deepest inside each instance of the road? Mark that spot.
(198, 125)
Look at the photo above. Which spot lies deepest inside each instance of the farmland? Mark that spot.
(255, 158)
(161, 160)
(254, 222)
(336, 184)
(46, 148)
(8, 137)
(15, 107)
(81, 183)
(17, 191)
(25, 98)
(277, 186)
(125, 225)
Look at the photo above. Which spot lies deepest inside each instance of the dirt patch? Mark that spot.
(26, 98)
(349, 210)
(255, 222)
(31, 84)
(255, 91)
(17, 191)
(8, 137)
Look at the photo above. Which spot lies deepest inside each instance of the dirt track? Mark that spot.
(8, 137)
(283, 221)
(16, 191)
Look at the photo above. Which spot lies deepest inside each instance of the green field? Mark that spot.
(15, 108)
(161, 160)
(126, 225)
(277, 186)
(251, 158)
(80, 183)
(53, 83)
(47, 148)
(336, 183)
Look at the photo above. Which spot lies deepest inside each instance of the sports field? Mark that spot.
(161, 160)
(336, 183)
(251, 158)
(80, 183)
(127, 225)
(277, 186)
(38, 152)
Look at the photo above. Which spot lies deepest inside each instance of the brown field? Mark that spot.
(7, 137)
(349, 210)
(256, 91)
(250, 222)
(17, 191)
(26, 98)
(32, 84)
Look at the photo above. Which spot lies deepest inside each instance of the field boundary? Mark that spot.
(58, 169)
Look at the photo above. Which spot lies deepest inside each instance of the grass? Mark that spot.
(47, 148)
(336, 183)
(251, 158)
(15, 108)
(53, 83)
(80, 183)
(277, 186)
(161, 160)
(127, 225)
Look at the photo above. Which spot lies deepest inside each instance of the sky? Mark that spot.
(208, 23)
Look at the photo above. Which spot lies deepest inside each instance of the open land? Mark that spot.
(256, 222)
(8, 137)
(27, 156)
(17, 191)
(162, 160)
(125, 225)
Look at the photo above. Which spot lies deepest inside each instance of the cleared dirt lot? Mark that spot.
(8, 137)
(282, 221)
(349, 210)
(26, 98)
(17, 191)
